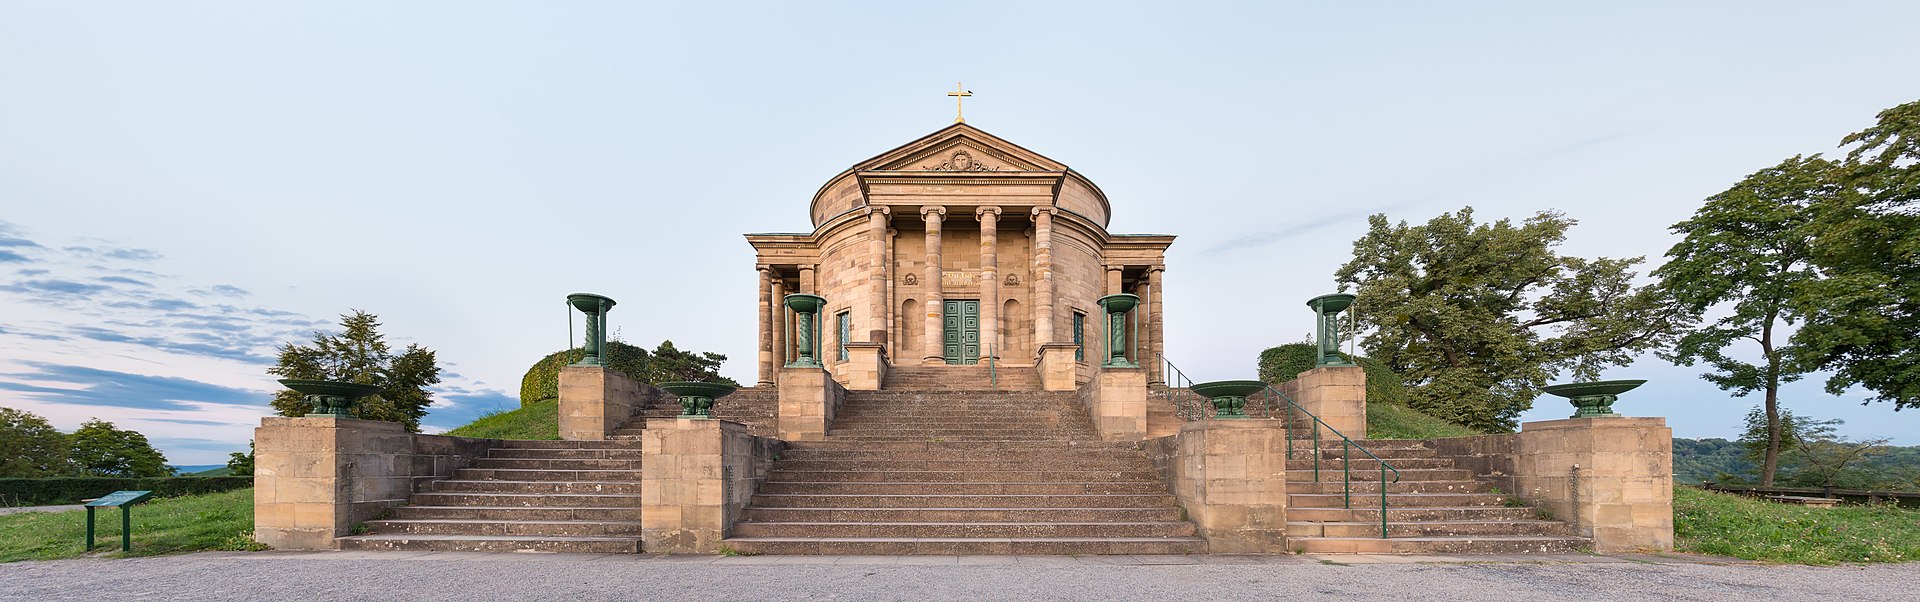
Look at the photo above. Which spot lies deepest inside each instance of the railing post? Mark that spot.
(1346, 475)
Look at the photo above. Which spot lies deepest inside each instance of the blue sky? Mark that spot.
(185, 185)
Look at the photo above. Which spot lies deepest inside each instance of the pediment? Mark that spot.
(960, 148)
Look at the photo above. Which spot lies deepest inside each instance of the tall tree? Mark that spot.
(1746, 253)
(359, 354)
(101, 449)
(1477, 317)
(1863, 318)
(30, 447)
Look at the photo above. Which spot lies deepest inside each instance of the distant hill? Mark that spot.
(1700, 460)
(211, 472)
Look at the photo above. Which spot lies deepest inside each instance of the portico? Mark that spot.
(959, 248)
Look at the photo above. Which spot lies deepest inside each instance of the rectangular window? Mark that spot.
(846, 326)
(1079, 336)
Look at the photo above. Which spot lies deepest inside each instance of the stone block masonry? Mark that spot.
(1116, 399)
(1610, 478)
(697, 478)
(1231, 477)
(809, 398)
(596, 401)
(315, 478)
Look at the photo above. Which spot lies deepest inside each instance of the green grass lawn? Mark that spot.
(538, 420)
(1730, 525)
(1391, 421)
(214, 521)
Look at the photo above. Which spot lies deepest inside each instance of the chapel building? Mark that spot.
(958, 249)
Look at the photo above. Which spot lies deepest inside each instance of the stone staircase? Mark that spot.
(942, 470)
(1435, 508)
(974, 377)
(533, 496)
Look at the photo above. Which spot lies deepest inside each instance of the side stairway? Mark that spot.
(1435, 508)
(947, 471)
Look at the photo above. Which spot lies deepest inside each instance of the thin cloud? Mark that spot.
(125, 280)
(95, 387)
(56, 287)
(12, 257)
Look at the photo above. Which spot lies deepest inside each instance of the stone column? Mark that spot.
(989, 278)
(1042, 276)
(806, 279)
(877, 281)
(1157, 373)
(893, 303)
(1106, 320)
(766, 327)
(779, 311)
(936, 298)
(1143, 317)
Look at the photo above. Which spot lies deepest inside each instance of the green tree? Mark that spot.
(241, 464)
(102, 450)
(1746, 253)
(359, 354)
(1477, 317)
(30, 447)
(664, 363)
(1863, 318)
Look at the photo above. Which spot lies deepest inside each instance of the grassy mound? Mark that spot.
(1395, 421)
(538, 420)
(215, 521)
(1731, 525)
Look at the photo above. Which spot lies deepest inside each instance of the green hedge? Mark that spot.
(1286, 362)
(70, 490)
(542, 381)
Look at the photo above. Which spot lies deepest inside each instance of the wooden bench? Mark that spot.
(1819, 502)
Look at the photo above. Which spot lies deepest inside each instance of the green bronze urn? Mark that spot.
(596, 307)
(805, 306)
(330, 398)
(1229, 396)
(1594, 398)
(1118, 306)
(1326, 311)
(696, 398)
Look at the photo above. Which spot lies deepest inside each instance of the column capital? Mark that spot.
(1116, 267)
(980, 212)
(880, 209)
(892, 232)
(1038, 211)
(933, 210)
(764, 269)
(1155, 269)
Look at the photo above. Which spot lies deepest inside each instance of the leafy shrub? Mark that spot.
(1286, 362)
(665, 363)
(70, 490)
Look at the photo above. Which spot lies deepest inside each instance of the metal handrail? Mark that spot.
(993, 374)
(1346, 443)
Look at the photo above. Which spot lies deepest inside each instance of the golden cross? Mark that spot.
(959, 94)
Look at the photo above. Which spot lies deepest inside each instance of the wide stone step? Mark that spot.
(963, 433)
(985, 488)
(515, 513)
(894, 422)
(1399, 514)
(962, 447)
(963, 501)
(936, 438)
(960, 476)
(1488, 544)
(963, 515)
(1538, 528)
(505, 527)
(462, 486)
(985, 454)
(875, 546)
(556, 444)
(1030, 464)
(1373, 487)
(557, 463)
(1358, 464)
(565, 454)
(493, 543)
(1394, 500)
(560, 500)
(967, 530)
(1333, 474)
(531, 474)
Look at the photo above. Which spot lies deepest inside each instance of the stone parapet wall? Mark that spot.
(317, 477)
(697, 478)
(594, 401)
(1610, 478)
(1231, 478)
(809, 400)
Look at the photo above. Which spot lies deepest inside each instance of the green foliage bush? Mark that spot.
(1286, 362)
(70, 490)
(664, 363)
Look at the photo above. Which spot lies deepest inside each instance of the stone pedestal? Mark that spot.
(1231, 477)
(809, 397)
(696, 478)
(1337, 394)
(315, 478)
(1117, 401)
(1609, 478)
(866, 366)
(1058, 369)
(594, 401)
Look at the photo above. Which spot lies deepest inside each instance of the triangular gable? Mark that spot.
(960, 147)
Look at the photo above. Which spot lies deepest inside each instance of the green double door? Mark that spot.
(962, 331)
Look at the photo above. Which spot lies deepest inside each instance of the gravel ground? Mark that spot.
(18, 509)
(470, 576)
